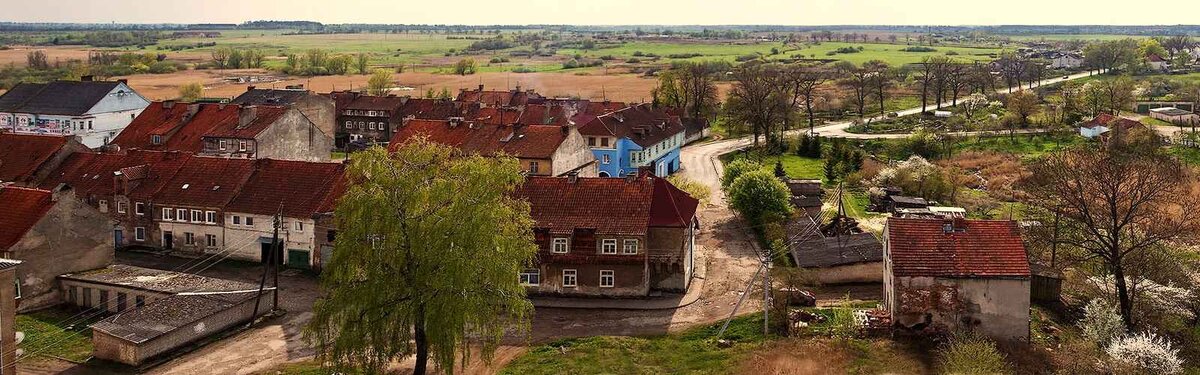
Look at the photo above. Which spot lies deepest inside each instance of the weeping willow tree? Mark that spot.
(425, 262)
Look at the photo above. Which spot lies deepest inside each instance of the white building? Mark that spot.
(96, 111)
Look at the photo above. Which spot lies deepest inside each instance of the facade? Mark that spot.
(1157, 63)
(318, 108)
(189, 207)
(1175, 116)
(367, 119)
(8, 317)
(226, 130)
(514, 98)
(959, 274)
(608, 237)
(52, 233)
(634, 137)
(1104, 123)
(298, 190)
(543, 150)
(95, 111)
(156, 312)
(27, 159)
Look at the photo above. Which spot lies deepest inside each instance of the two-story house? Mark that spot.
(319, 109)
(367, 119)
(96, 111)
(226, 130)
(619, 237)
(634, 137)
(543, 150)
(189, 207)
(297, 190)
(514, 98)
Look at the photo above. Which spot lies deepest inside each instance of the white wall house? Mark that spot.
(1066, 61)
(96, 111)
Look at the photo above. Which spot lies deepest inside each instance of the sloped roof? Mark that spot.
(264, 117)
(258, 96)
(616, 206)
(375, 103)
(509, 98)
(1111, 122)
(92, 174)
(494, 116)
(182, 130)
(205, 182)
(301, 187)
(70, 98)
(641, 124)
(838, 251)
(23, 208)
(973, 249)
(22, 155)
(525, 141)
(431, 109)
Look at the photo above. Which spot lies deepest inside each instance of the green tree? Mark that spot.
(191, 91)
(360, 62)
(235, 60)
(760, 197)
(428, 248)
(465, 67)
(736, 169)
(380, 82)
(1022, 104)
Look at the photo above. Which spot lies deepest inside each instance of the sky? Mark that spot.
(613, 12)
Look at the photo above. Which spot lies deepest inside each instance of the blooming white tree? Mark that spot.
(1146, 352)
(1101, 322)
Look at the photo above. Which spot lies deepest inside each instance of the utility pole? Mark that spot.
(766, 294)
(276, 256)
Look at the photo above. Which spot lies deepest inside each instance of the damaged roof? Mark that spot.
(956, 248)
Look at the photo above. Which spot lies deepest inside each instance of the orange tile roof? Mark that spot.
(974, 248)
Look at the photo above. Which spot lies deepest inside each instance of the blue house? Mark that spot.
(634, 137)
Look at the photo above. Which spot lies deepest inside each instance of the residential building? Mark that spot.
(1158, 63)
(957, 274)
(52, 233)
(189, 207)
(26, 159)
(157, 312)
(855, 258)
(514, 98)
(367, 119)
(96, 111)
(8, 317)
(1102, 124)
(610, 237)
(637, 136)
(543, 150)
(318, 108)
(226, 130)
(299, 191)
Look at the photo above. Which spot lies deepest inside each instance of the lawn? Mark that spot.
(1023, 145)
(797, 167)
(47, 335)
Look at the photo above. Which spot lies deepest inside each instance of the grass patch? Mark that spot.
(797, 167)
(47, 336)
(1024, 145)
(694, 351)
(1187, 155)
(309, 367)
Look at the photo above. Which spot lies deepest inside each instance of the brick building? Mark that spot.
(543, 150)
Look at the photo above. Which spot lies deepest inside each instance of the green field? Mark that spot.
(1064, 37)
(730, 51)
(46, 336)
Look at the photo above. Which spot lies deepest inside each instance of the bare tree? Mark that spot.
(801, 81)
(755, 98)
(220, 56)
(1115, 203)
(957, 80)
(858, 81)
(882, 77)
(925, 76)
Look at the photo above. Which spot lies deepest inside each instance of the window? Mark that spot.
(242, 146)
(530, 277)
(371, 125)
(156, 139)
(591, 141)
(606, 159)
(139, 301)
(631, 247)
(607, 279)
(349, 125)
(533, 167)
(87, 297)
(103, 206)
(211, 240)
(89, 124)
(181, 214)
(298, 226)
(168, 214)
(122, 207)
(210, 217)
(189, 238)
(71, 294)
(237, 220)
(608, 246)
(139, 233)
(604, 142)
(120, 301)
(249, 221)
(103, 299)
(139, 208)
(570, 279)
(559, 246)
(223, 144)
(197, 215)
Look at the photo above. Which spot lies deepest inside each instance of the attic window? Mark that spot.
(185, 186)
(215, 187)
(156, 139)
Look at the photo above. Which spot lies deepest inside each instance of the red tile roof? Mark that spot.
(263, 118)
(375, 103)
(510, 98)
(22, 155)
(640, 123)
(974, 249)
(431, 109)
(1112, 122)
(524, 141)
(23, 208)
(205, 182)
(92, 174)
(182, 130)
(617, 206)
(299, 187)
(494, 116)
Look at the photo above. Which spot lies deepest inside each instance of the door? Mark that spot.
(118, 237)
(264, 252)
(168, 240)
(298, 259)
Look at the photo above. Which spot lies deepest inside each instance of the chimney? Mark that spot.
(573, 177)
(168, 104)
(86, 78)
(250, 88)
(518, 88)
(192, 109)
(246, 114)
(480, 87)
(123, 80)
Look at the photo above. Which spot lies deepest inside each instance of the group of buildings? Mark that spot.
(89, 167)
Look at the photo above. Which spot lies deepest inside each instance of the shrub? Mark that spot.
(760, 197)
(736, 169)
(749, 57)
(522, 69)
(633, 61)
(1101, 322)
(918, 49)
(969, 353)
(692, 187)
(571, 64)
(1147, 353)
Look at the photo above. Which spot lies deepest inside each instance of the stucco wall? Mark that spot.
(574, 155)
(629, 280)
(670, 258)
(998, 307)
(71, 237)
(247, 239)
(850, 273)
(294, 137)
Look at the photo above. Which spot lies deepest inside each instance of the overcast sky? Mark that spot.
(613, 12)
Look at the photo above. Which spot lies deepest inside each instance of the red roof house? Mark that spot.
(957, 273)
(542, 149)
(26, 159)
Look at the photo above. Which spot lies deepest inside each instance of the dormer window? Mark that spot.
(222, 145)
(156, 139)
